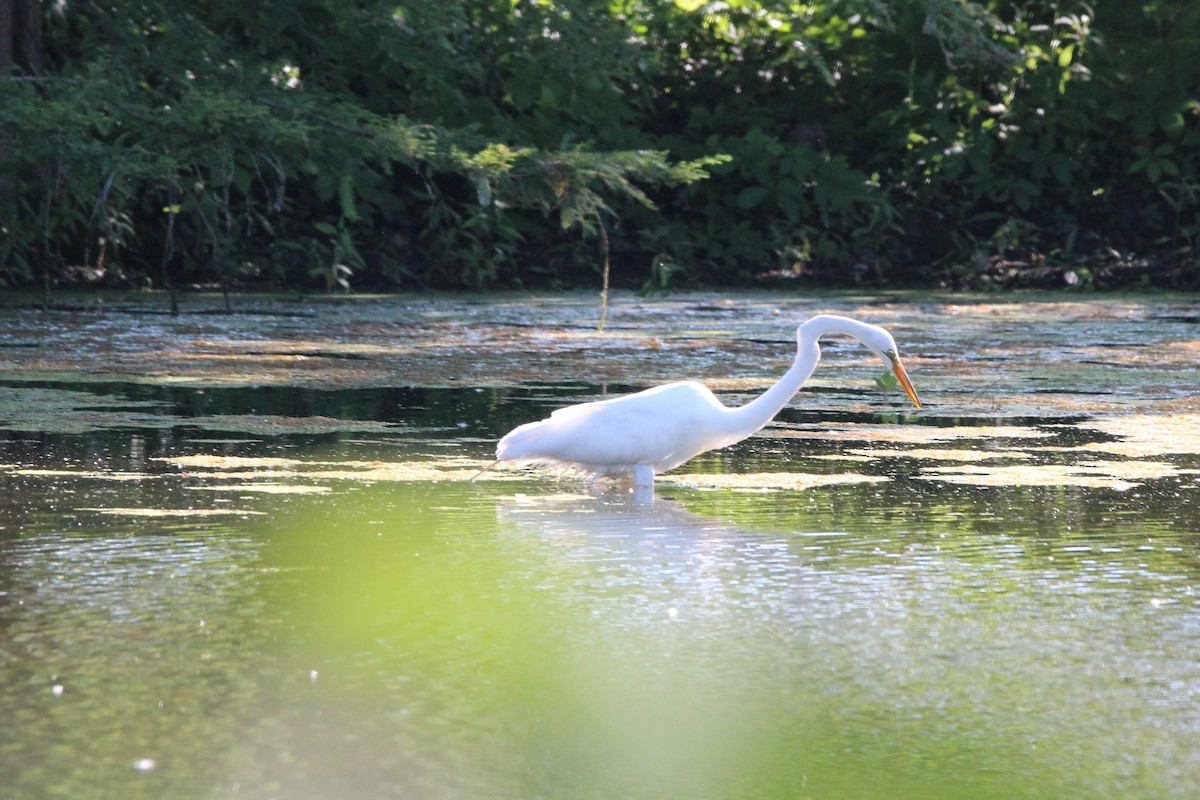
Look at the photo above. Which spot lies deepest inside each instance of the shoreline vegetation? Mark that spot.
(590, 306)
(486, 145)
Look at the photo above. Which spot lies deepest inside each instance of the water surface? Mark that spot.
(241, 557)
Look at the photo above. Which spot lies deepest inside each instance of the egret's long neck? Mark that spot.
(762, 409)
(749, 418)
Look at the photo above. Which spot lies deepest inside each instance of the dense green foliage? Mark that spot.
(482, 143)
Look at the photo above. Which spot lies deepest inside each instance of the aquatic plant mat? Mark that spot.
(1048, 383)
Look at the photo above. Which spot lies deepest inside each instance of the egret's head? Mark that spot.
(877, 340)
(881, 343)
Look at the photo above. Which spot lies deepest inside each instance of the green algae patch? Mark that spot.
(1144, 435)
(67, 411)
(35, 409)
(266, 488)
(78, 474)
(767, 481)
(271, 469)
(174, 512)
(1118, 475)
(906, 434)
(212, 462)
(939, 454)
(274, 425)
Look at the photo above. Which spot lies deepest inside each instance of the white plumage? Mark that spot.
(658, 429)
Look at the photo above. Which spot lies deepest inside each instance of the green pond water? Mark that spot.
(241, 556)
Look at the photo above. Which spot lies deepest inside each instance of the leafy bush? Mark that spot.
(470, 143)
(203, 155)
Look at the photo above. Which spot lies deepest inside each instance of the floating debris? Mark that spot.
(42, 410)
(915, 434)
(1119, 475)
(1143, 435)
(274, 425)
(202, 461)
(765, 481)
(75, 474)
(174, 512)
(266, 488)
(271, 469)
(932, 454)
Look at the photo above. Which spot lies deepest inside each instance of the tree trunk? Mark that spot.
(6, 35)
(21, 36)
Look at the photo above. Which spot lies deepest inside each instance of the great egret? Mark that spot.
(658, 429)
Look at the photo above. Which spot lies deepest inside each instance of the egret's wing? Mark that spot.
(579, 409)
(652, 427)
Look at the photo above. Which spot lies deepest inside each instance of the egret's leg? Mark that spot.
(643, 495)
(485, 469)
(643, 475)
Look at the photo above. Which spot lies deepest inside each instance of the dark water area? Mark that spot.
(272, 580)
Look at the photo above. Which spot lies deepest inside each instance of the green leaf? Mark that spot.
(346, 197)
(752, 196)
(1172, 123)
(483, 190)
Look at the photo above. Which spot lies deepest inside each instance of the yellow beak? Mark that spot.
(902, 376)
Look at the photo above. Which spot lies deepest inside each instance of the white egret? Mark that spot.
(658, 429)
